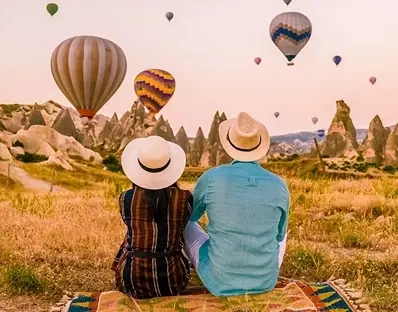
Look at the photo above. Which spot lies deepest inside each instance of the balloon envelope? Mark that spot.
(257, 60)
(276, 114)
(372, 80)
(290, 32)
(52, 8)
(287, 1)
(314, 120)
(154, 88)
(321, 133)
(88, 70)
(169, 16)
(337, 59)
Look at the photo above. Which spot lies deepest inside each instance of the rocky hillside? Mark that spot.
(50, 123)
(380, 145)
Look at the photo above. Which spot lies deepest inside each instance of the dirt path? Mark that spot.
(28, 182)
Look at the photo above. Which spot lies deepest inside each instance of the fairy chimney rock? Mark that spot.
(373, 145)
(341, 140)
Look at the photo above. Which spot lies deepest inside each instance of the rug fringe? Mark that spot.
(354, 296)
(64, 304)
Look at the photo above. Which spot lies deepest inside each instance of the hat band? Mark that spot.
(242, 149)
(153, 170)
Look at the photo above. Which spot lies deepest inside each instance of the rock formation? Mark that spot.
(375, 141)
(64, 124)
(391, 148)
(111, 135)
(35, 118)
(162, 128)
(46, 141)
(341, 139)
(214, 153)
(182, 140)
(198, 148)
(134, 124)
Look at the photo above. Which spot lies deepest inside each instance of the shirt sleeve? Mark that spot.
(282, 226)
(199, 197)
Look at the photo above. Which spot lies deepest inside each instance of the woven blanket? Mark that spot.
(288, 296)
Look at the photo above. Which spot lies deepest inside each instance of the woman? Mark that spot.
(155, 210)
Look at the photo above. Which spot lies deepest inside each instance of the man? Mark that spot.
(247, 207)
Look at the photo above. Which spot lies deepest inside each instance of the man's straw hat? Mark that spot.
(153, 163)
(244, 138)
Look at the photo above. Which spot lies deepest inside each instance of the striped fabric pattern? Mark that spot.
(147, 278)
(88, 70)
(154, 87)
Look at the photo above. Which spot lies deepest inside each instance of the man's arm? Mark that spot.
(199, 197)
(282, 226)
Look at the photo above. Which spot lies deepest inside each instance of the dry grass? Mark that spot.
(50, 243)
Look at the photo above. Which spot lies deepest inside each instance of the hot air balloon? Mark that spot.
(287, 1)
(290, 32)
(154, 88)
(314, 120)
(372, 80)
(52, 8)
(337, 59)
(88, 70)
(321, 133)
(257, 60)
(169, 16)
(276, 114)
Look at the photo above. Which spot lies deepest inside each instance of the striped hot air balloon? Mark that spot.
(88, 70)
(154, 88)
(290, 32)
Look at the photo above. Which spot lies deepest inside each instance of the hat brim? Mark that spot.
(254, 155)
(148, 180)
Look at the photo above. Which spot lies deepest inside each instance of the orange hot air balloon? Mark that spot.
(88, 70)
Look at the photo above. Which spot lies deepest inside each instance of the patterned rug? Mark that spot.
(288, 296)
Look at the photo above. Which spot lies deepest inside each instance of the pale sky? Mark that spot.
(209, 47)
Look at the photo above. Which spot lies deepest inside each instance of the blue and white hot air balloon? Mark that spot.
(290, 32)
(321, 133)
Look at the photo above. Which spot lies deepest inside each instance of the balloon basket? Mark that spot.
(290, 64)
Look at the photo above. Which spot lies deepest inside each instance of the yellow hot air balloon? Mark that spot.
(88, 70)
(154, 88)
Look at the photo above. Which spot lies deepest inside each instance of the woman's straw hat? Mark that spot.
(153, 163)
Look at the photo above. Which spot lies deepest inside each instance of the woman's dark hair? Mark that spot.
(158, 202)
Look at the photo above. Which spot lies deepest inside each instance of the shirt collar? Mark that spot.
(244, 162)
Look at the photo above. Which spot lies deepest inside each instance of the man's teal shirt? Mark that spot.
(247, 207)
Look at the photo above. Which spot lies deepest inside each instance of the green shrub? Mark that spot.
(360, 158)
(112, 163)
(22, 280)
(389, 169)
(31, 158)
(18, 143)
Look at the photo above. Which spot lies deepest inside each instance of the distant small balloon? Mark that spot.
(287, 1)
(314, 120)
(337, 59)
(52, 8)
(257, 60)
(169, 16)
(372, 80)
(276, 114)
(321, 133)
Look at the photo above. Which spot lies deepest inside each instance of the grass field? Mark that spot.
(346, 228)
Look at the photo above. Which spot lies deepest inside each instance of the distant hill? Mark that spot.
(309, 136)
